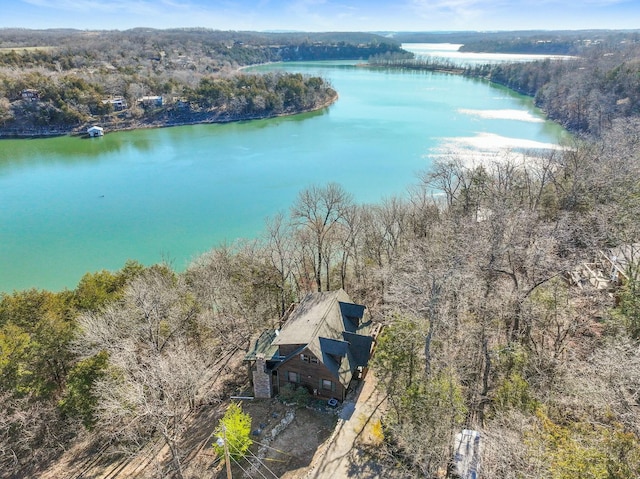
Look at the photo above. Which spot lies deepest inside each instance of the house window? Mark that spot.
(293, 377)
(309, 359)
(327, 384)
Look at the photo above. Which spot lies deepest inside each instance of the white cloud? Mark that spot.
(326, 15)
(572, 4)
(115, 6)
(124, 14)
(445, 14)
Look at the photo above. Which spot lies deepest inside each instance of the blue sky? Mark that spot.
(323, 15)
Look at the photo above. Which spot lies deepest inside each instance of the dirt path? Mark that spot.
(339, 457)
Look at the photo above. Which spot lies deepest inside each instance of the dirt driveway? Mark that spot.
(285, 437)
(359, 423)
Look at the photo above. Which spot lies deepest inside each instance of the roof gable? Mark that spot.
(352, 315)
(359, 347)
(334, 347)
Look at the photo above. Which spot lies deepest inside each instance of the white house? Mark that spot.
(95, 131)
(151, 101)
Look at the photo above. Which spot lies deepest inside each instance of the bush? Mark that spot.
(235, 427)
(297, 395)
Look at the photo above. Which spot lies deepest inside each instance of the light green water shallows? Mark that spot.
(70, 206)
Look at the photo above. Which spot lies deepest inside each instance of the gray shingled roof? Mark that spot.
(317, 313)
(326, 323)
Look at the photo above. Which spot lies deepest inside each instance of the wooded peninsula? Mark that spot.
(507, 291)
(56, 82)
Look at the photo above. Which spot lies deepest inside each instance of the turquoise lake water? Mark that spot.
(71, 205)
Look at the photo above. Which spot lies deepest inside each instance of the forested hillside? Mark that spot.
(585, 93)
(61, 81)
(543, 42)
(480, 274)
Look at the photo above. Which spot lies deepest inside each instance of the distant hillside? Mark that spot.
(211, 43)
(561, 42)
(59, 81)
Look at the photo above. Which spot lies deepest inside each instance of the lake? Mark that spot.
(449, 52)
(70, 205)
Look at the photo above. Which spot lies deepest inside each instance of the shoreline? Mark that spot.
(244, 67)
(129, 125)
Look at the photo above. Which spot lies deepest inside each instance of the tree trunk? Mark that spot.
(319, 268)
(427, 351)
(485, 379)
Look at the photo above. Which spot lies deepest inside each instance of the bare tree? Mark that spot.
(505, 452)
(279, 251)
(237, 282)
(159, 368)
(318, 210)
(31, 433)
(349, 237)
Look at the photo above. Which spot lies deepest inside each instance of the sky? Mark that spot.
(323, 15)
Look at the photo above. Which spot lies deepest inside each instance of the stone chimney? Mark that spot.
(261, 378)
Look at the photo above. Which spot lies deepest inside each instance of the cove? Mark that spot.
(70, 206)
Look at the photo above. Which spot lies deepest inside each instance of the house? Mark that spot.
(322, 346)
(95, 131)
(30, 94)
(118, 103)
(148, 101)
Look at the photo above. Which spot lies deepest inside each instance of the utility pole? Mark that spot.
(224, 444)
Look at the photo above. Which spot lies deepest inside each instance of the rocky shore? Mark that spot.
(160, 118)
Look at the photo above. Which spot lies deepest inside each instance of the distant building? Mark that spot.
(95, 131)
(118, 103)
(610, 268)
(324, 344)
(30, 94)
(148, 101)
